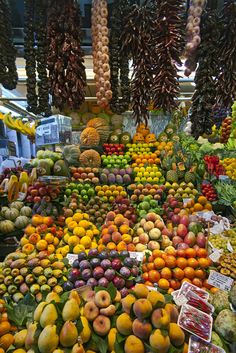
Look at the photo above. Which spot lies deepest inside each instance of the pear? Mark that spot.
(58, 350)
(20, 338)
(30, 337)
(39, 310)
(53, 296)
(74, 294)
(78, 348)
(71, 310)
(48, 339)
(49, 315)
(68, 334)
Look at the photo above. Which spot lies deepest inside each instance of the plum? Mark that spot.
(110, 274)
(103, 255)
(79, 283)
(125, 272)
(82, 256)
(76, 264)
(129, 262)
(98, 272)
(73, 275)
(86, 274)
(103, 282)
(129, 283)
(113, 254)
(124, 253)
(118, 282)
(105, 264)
(135, 271)
(116, 264)
(124, 292)
(92, 282)
(84, 264)
(95, 262)
(93, 252)
(67, 286)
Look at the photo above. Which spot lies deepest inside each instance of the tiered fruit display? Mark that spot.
(229, 164)
(113, 148)
(116, 233)
(201, 204)
(100, 269)
(149, 174)
(77, 192)
(85, 174)
(209, 191)
(213, 165)
(35, 274)
(123, 206)
(147, 205)
(139, 191)
(108, 193)
(149, 158)
(182, 190)
(170, 268)
(116, 176)
(15, 217)
(115, 161)
(42, 191)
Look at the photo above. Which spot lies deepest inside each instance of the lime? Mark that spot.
(91, 192)
(68, 192)
(75, 191)
(86, 186)
(85, 198)
(83, 192)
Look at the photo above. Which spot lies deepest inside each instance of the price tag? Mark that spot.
(220, 281)
(229, 247)
(224, 178)
(181, 300)
(152, 288)
(71, 258)
(186, 200)
(206, 215)
(137, 255)
(215, 256)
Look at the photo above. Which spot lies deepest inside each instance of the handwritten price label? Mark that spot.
(220, 281)
(137, 255)
(71, 258)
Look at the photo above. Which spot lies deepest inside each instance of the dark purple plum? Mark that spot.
(110, 274)
(118, 282)
(105, 264)
(74, 274)
(124, 292)
(113, 254)
(103, 255)
(128, 261)
(103, 282)
(84, 264)
(76, 264)
(124, 253)
(98, 272)
(92, 282)
(67, 286)
(116, 264)
(129, 283)
(125, 272)
(79, 283)
(95, 262)
(82, 256)
(135, 271)
(93, 252)
(86, 274)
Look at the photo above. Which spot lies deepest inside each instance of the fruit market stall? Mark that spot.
(124, 241)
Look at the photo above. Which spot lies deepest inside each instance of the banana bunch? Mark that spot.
(18, 125)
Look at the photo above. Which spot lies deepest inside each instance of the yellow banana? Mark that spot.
(9, 122)
(24, 179)
(19, 125)
(1, 116)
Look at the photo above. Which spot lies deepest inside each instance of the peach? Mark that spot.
(30, 229)
(111, 339)
(176, 334)
(28, 248)
(109, 311)
(158, 342)
(141, 291)
(106, 238)
(131, 247)
(124, 324)
(148, 226)
(37, 220)
(121, 246)
(156, 299)
(144, 238)
(119, 220)
(135, 240)
(34, 238)
(142, 308)
(102, 299)
(112, 229)
(127, 238)
(173, 312)
(142, 329)
(140, 231)
(141, 247)
(48, 221)
(151, 216)
(111, 216)
(116, 237)
(160, 318)
(127, 303)
(159, 224)
(134, 344)
(91, 311)
(102, 325)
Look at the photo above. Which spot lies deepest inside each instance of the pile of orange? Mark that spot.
(170, 269)
(148, 158)
(165, 146)
(202, 204)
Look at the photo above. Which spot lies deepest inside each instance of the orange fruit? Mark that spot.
(170, 261)
(151, 259)
(154, 276)
(170, 290)
(145, 276)
(185, 279)
(181, 262)
(197, 282)
(166, 273)
(204, 262)
(190, 252)
(202, 252)
(156, 253)
(181, 253)
(178, 273)
(208, 207)
(150, 266)
(174, 284)
(192, 262)
(202, 200)
(189, 272)
(148, 283)
(200, 274)
(198, 207)
(159, 263)
(163, 284)
(214, 290)
(144, 268)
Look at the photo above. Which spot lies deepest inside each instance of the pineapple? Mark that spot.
(172, 176)
(189, 177)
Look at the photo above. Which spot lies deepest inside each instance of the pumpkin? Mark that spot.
(138, 138)
(5, 327)
(143, 129)
(3, 210)
(114, 138)
(89, 137)
(6, 341)
(71, 154)
(150, 138)
(102, 127)
(21, 222)
(26, 211)
(6, 227)
(125, 138)
(11, 214)
(90, 158)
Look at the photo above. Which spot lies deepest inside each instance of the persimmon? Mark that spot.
(202, 252)
(150, 266)
(197, 282)
(192, 262)
(178, 273)
(190, 252)
(154, 276)
(163, 283)
(189, 272)
(170, 261)
(159, 263)
(166, 273)
(181, 262)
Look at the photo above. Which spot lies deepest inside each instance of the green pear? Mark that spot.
(68, 334)
(71, 310)
(39, 310)
(48, 339)
(20, 338)
(49, 315)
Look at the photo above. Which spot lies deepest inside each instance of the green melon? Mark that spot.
(125, 138)
(114, 138)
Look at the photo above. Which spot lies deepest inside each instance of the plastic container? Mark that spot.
(196, 322)
(186, 286)
(197, 345)
(199, 303)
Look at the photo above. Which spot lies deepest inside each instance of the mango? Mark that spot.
(48, 339)
(112, 339)
(49, 315)
(134, 344)
(158, 342)
(176, 334)
(20, 338)
(85, 334)
(71, 310)
(39, 310)
(68, 334)
(124, 324)
(30, 337)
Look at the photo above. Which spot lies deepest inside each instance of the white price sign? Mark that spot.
(215, 256)
(152, 288)
(137, 255)
(220, 281)
(71, 258)
(180, 300)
